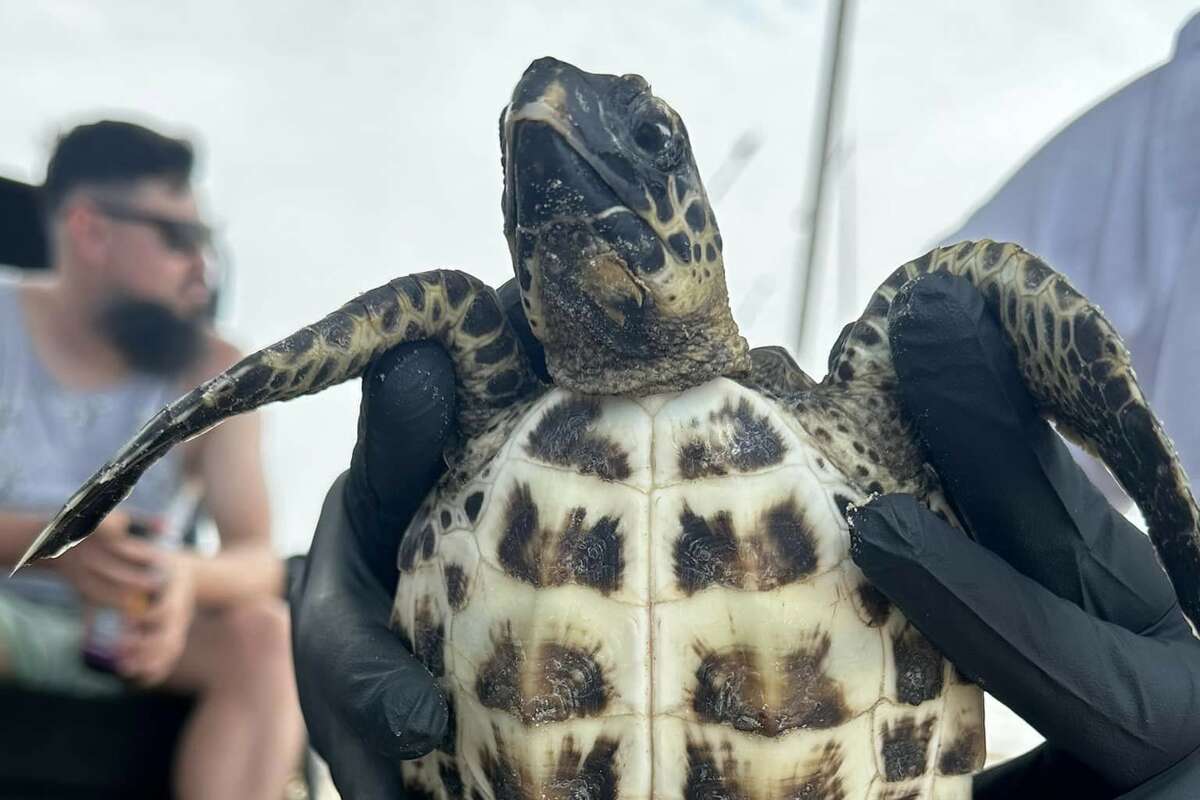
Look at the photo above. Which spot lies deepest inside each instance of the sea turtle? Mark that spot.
(635, 583)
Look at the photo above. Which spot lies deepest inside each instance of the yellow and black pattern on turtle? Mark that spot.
(447, 306)
(604, 606)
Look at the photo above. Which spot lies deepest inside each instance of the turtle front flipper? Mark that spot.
(450, 307)
(1078, 371)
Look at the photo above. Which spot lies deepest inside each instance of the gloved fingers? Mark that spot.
(356, 680)
(1006, 472)
(1128, 706)
(510, 300)
(1044, 773)
(405, 419)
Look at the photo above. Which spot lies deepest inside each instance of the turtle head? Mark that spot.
(612, 237)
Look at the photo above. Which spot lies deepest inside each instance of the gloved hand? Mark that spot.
(1058, 607)
(367, 702)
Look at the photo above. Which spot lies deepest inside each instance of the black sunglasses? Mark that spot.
(182, 236)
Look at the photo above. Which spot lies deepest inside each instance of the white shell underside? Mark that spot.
(685, 624)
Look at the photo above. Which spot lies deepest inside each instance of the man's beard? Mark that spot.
(152, 338)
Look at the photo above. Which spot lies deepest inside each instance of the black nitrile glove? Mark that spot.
(367, 702)
(1059, 607)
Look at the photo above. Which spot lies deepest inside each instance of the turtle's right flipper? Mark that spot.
(450, 307)
(1078, 371)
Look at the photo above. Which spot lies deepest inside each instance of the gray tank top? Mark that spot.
(52, 438)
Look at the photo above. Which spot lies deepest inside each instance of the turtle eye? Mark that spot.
(654, 135)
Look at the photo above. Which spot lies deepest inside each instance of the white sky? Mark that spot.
(345, 143)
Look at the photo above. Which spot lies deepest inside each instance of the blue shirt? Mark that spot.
(1113, 201)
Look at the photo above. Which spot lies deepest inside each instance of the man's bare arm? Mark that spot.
(228, 462)
(17, 531)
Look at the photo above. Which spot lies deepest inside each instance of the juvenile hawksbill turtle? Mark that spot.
(636, 583)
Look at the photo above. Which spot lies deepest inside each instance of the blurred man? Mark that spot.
(117, 332)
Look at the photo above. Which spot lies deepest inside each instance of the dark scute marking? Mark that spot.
(594, 779)
(730, 690)
(843, 504)
(878, 306)
(457, 288)
(569, 684)
(905, 748)
(429, 637)
(524, 275)
(845, 372)
(280, 380)
(1010, 310)
(708, 781)
(412, 332)
(1117, 392)
(414, 291)
(449, 744)
(563, 436)
(695, 216)
(1088, 336)
(919, 673)
(751, 443)
(337, 329)
(592, 557)
(921, 265)
(1036, 273)
(456, 586)
(495, 351)
(718, 241)
(324, 371)
(435, 311)
(681, 189)
(662, 203)
(484, 315)
(498, 682)
(589, 556)
(653, 259)
(516, 551)
(697, 251)
(446, 519)
(963, 755)
(1031, 324)
(991, 254)
(415, 541)
(682, 246)
(710, 252)
(451, 778)
(706, 552)
(793, 543)
(503, 773)
(299, 344)
(472, 505)
(875, 487)
(254, 379)
(504, 383)
(867, 335)
(820, 780)
(696, 460)
(417, 792)
(875, 603)
(566, 682)
(391, 315)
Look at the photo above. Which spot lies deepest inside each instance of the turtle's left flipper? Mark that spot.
(453, 308)
(1078, 371)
